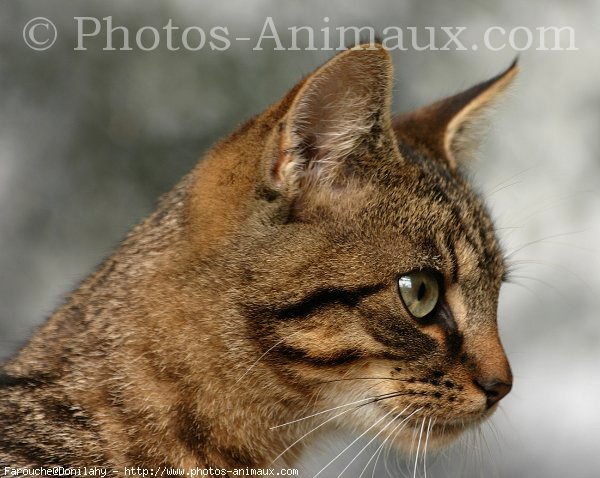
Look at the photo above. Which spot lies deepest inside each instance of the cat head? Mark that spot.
(358, 260)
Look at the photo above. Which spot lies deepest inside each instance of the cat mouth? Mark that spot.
(442, 431)
(455, 426)
(435, 433)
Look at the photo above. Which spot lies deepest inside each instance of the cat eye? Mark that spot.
(420, 292)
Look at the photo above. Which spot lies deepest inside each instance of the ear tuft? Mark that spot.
(335, 116)
(449, 129)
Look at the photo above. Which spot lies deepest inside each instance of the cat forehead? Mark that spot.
(423, 215)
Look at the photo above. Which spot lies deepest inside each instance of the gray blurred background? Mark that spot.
(89, 140)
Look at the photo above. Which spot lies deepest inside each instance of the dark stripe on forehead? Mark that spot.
(450, 251)
(456, 223)
(485, 246)
(448, 190)
(466, 229)
(492, 253)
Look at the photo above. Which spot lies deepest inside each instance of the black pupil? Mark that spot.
(421, 291)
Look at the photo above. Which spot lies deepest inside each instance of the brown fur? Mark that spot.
(263, 289)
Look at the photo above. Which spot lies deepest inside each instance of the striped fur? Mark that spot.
(264, 289)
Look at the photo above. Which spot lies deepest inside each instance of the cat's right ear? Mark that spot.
(449, 129)
(339, 112)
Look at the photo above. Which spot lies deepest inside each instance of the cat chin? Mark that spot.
(438, 435)
(437, 439)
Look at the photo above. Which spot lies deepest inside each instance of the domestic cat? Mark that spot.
(324, 265)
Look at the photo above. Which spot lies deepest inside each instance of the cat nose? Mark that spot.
(494, 389)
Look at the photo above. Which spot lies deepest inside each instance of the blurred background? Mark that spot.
(89, 140)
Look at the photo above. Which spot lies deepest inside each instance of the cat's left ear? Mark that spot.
(449, 129)
(339, 114)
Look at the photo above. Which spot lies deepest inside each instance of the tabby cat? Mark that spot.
(324, 265)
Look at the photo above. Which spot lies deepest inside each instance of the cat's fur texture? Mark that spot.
(264, 289)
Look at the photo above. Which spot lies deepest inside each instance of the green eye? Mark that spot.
(420, 292)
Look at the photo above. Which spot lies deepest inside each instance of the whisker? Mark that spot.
(484, 441)
(552, 204)
(418, 448)
(313, 402)
(367, 464)
(493, 457)
(393, 433)
(316, 393)
(371, 441)
(376, 452)
(466, 444)
(308, 433)
(378, 398)
(555, 265)
(542, 239)
(511, 178)
(477, 448)
(360, 378)
(501, 188)
(425, 450)
(511, 281)
(494, 430)
(352, 443)
(377, 459)
(380, 445)
(546, 284)
(507, 228)
(374, 398)
(368, 389)
(386, 460)
(412, 445)
(380, 448)
(320, 413)
(264, 354)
